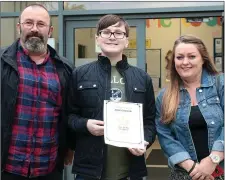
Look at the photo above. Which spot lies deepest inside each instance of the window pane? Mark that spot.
(79, 5)
(18, 6)
(8, 31)
(131, 51)
(85, 47)
(55, 33)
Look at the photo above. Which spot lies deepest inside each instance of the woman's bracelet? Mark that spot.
(192, 168)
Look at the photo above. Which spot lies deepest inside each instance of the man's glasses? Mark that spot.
(108, 34)
(30, 25)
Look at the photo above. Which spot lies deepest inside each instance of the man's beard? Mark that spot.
(35, 42)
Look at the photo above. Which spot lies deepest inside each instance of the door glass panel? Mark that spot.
(86, 50)
(153, 63)
(131, 50)
(84, 46)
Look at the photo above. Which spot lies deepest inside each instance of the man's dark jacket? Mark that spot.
(89, 87)
(9, 89)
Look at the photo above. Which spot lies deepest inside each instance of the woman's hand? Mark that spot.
(207, 166)
(198, 173)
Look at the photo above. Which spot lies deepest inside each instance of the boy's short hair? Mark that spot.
(109, 20)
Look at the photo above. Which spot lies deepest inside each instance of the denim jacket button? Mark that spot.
(200, 90)
(212, 122)
(204, 105)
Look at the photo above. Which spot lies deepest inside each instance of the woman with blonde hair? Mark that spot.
(190, 113)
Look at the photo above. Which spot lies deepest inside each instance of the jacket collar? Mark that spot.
(106, 65)
(10, 54)
(206, 79)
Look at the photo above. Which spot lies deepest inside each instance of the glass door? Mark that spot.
(81, 47)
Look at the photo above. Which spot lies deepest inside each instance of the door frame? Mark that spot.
(140, 25)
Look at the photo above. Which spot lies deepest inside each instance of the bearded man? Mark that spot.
(34, 81)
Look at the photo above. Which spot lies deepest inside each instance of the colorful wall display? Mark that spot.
(165, 23)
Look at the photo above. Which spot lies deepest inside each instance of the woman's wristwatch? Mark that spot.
(215, 158)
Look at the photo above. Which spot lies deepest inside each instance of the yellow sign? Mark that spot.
(133, 44)
(148, 43)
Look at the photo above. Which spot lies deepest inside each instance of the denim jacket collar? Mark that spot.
(206, 80)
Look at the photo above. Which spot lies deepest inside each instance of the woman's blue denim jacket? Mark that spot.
(175, 138)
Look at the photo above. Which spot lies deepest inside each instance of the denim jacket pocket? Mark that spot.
(213, 100)
(215, 108)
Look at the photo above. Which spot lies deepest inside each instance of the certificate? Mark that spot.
(123, 124)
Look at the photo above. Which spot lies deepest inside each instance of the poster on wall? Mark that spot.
(218, 63)
(218, 59)
(218, 45)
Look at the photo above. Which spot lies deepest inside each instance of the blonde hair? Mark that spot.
(171, 97)
(168, 63)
